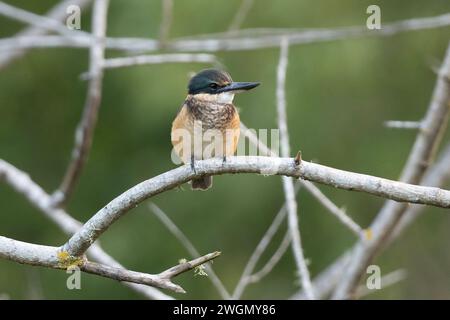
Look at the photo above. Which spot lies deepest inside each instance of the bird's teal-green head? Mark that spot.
(213, 81)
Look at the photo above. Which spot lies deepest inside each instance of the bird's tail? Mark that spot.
(203, 183)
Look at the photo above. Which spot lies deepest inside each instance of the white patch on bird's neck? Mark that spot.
(224, 97)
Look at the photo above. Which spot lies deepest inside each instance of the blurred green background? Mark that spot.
(338, 95)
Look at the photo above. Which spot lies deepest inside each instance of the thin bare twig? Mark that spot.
(337, 212)
(268, 267)
(189, 265)
(240, 15)
(85, 130)
(161, 280)
(403, 124)
(172, 227)
(166, 21)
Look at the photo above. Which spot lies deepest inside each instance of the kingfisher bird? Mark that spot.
(208, 124)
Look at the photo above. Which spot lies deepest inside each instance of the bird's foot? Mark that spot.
(224, 159)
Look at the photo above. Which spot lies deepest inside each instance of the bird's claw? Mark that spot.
(193, 164)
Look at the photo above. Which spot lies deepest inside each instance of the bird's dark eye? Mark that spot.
(213, 85)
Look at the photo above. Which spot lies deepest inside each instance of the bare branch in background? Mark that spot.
(266, 39)
(403, 124)
(288, 183)
(22, 43)
(421, 156)
(245, 278)
(53, 257)
(159, 58)
(22, 183)
(390, 279)
(306, 36)
(85, 130)
(38, 21)
(57, 13)
(279, 253)
(172, 227)
(240, 15)
(166, 21)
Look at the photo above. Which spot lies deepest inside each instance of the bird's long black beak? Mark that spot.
(237, 87)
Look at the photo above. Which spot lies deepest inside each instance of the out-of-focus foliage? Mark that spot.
(338, 95)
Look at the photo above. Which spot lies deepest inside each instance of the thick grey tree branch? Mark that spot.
(288, 183)
(22, 183)
(85, 130)
(394, 190)
(53, 257)
(421, 156)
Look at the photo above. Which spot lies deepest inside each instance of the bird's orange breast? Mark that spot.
(205, 130)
